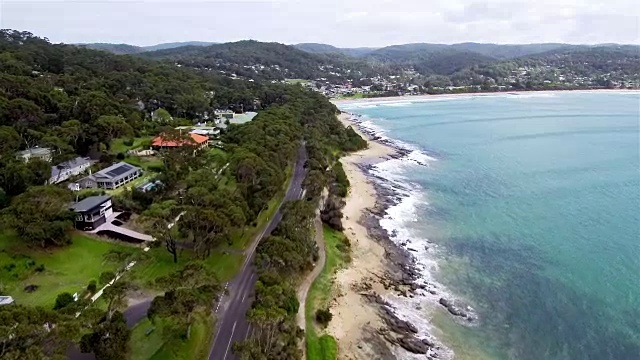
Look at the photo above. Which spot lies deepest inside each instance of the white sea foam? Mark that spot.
(399, 221)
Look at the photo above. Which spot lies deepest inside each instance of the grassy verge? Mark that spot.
(323, 346)
(158, 262)
(146, 340)
(152, 346)
(53, 271)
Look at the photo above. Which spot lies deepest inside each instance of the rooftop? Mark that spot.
(35, 151)
(6, 300)
(160, 141)
(79, 161)
(116, 171)
(89, 203)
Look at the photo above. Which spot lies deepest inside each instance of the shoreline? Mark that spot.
(383, 279)
(427, 97)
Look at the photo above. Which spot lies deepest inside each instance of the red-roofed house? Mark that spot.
(199, 141)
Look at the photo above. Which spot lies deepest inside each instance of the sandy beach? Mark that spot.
(352, 313)
(426, 97)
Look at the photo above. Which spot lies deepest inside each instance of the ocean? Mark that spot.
(527, 207)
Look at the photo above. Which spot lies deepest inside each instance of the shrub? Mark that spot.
(31, 263)
(323, 316)
(92, 287)
(63, 300)
(155, 167)
(128, 142)
(106, 277)
(39, 268)
(120, 156)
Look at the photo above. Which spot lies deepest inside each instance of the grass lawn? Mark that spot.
(322, 346)
(158, 262)
(153, 347)
(145, 162)
(66, 269)
(143, 346)
(118, 146)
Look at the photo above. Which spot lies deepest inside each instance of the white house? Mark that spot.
(35, 152)
(67, 169)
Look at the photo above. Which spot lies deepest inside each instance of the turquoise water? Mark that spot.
(535, 204)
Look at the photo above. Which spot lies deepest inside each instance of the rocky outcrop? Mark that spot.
(456, 310)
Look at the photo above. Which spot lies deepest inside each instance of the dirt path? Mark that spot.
(303, 290)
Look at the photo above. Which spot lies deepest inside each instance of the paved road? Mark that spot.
(232, 324)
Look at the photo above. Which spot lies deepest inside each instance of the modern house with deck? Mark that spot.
(92, 212)
(112, 177)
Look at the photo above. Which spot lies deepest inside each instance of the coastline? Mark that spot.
(427, 97)
(379, 310)
(353, 317)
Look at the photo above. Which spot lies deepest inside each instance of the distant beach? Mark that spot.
(418, 98)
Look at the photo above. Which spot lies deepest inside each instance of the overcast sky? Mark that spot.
(345, 23)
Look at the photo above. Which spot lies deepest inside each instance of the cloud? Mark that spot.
(345, 23)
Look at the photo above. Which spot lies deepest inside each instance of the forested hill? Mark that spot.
(132, 49)
(50, 92)
(316, 48)
(271, 61)
(461, 64)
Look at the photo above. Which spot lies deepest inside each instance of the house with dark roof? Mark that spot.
(112, 177)
(92, 212)
(67, 169)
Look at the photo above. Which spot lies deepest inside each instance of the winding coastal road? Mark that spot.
(232, 325)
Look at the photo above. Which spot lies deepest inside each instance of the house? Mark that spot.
(199, 141)
(92, 212)
(6, 300)
(224, 114)
(209, 131)
(67, 169)
(112, 177)
(34, 153)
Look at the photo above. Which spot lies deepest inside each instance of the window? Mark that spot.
(79, 217)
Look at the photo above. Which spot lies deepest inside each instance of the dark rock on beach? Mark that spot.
(413, 345)
(455, 310)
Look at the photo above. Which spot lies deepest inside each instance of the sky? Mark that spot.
(343, 23)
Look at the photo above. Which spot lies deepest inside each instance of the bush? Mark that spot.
(106, 277)
(128, 142)
(63, 300)
(92, 287)
(323, 316)
(155, 168)
(120, 156)
(39, 268)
